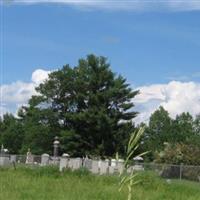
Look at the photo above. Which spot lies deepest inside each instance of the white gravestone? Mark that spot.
(13, 158)
(64, 161)
(29, 157)
(75, 163)
(113, 162)
(104, 167)
(87, 164)
(4, 161)
(111, 170)
(113, 167)
(45, 159)
(120, 165)
(95, 167)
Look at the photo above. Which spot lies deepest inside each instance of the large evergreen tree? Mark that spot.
(88, 106)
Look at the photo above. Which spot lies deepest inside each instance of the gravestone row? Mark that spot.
(95, 166)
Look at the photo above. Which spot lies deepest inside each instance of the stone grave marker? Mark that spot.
(87, 163)
(75, 163)
(95, 166)
(29, 157)
(104, 167)
(64, 161)
(13, 158)
(120, 165)
(4, 160)
(45, 159)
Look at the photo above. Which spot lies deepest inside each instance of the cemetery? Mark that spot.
(46, 183)
(78, 125)
(97, 166)
(30, 176)
(89, 153)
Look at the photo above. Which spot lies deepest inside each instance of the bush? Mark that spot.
(179, 154)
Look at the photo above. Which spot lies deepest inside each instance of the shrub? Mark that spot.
(179, 154)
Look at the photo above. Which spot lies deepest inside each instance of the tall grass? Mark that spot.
(130, 180)
(47, 183)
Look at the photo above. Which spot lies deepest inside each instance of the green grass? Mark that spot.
(49, 184)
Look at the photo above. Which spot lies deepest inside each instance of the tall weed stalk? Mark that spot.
(129, 180)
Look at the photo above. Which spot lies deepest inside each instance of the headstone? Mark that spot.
(4, 160)
(104, 167)
(44, 159)
(65, 155)
(29, 157)
(2, 150)
(120, 165)
(75, 163)
(4, 157)
(95, 166)
(111, 170)
(63, 163)
(54, 160)
(113, 167)
(70, 163)
(13, 158)
(87, 163)
(64, 160)
(113, 162)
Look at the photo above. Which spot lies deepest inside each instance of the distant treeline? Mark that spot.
(173, 140)
(91, 110)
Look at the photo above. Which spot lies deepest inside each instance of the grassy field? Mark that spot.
(49, 184)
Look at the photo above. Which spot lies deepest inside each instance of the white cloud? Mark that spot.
(18, 93)
(176, 97)
(137, 5)
(39, 76)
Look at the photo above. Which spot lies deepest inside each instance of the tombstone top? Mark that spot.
(3, 151)
(45, 155)
(138, 158)
(65, 155)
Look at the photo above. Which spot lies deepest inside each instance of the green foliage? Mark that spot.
(81, 172)
(163, 129)
(158, 130)
(88, 107)
(11, 133)
(179, 154)
(25, 184)
(129, 180)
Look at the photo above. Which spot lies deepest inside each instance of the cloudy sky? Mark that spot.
(154, 44)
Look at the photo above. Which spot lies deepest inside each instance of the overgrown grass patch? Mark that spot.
(47, 183)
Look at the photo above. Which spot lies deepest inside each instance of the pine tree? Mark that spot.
(90, 106)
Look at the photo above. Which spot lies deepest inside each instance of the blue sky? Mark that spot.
(152, 45)
(146, 47)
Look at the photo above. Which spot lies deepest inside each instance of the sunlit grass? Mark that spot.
(49, 184)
